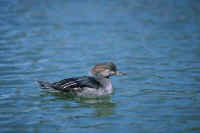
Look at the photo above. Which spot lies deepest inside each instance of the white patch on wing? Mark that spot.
(68, 84)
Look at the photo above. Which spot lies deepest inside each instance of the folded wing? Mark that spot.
(76, 84)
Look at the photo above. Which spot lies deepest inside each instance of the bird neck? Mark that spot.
(105, 83)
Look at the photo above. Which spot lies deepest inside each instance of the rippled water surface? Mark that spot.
(156, 42)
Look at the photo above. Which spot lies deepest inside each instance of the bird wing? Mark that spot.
(76, 84)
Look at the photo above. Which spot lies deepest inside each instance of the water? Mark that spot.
(157, 43)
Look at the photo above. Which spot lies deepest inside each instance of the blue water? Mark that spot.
(156, 42)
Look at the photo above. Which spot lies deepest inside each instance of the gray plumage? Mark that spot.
(98, 85)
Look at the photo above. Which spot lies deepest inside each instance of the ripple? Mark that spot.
(51, 41)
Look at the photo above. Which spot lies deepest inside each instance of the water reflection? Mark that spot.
(155, 42)
(102, 106)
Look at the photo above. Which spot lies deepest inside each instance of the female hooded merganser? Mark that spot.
(96, 85)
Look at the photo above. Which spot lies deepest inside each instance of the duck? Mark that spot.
(98, 84)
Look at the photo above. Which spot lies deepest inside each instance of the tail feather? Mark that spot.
(45, 85)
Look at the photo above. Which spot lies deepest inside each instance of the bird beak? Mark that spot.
(120, 73)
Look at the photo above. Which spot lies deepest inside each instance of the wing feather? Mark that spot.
(74, 84)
